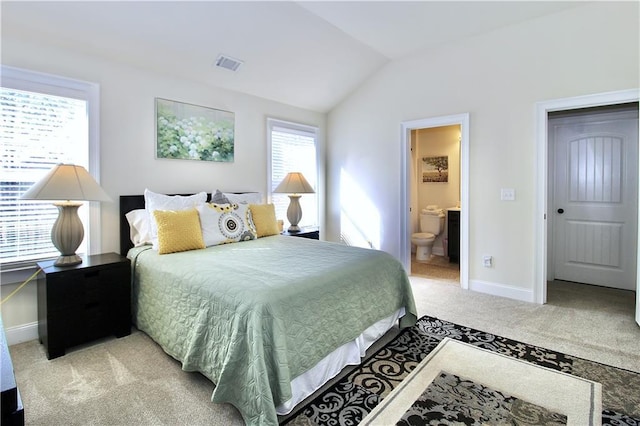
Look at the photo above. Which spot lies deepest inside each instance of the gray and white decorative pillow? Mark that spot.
(244, 198)
(226, 223)
(219, 198)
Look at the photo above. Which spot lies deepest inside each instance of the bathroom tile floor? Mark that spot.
(437, 268)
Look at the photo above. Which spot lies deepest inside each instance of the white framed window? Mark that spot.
(293, 147)
(45, 120)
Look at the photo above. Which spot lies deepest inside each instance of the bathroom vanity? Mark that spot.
(453, 227)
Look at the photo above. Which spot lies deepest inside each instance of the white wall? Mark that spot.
(127, 138)
(497, 78)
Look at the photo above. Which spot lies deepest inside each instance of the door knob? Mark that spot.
(560, 211)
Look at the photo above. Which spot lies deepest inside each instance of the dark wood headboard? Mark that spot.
(133, 202)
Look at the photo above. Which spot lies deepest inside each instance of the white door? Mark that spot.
(595, 204)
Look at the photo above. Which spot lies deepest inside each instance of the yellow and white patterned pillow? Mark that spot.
(264, 218)
(226, 223)
(178, 230)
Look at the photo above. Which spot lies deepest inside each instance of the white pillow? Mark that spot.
(139, 227)
(246, 198)
(154, 201)
(226, 223)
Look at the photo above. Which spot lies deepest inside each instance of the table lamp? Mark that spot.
(294, 184)
(67, 184)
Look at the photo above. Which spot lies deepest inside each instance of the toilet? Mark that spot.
(431, 224)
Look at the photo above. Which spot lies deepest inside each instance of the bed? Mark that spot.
(267, 320)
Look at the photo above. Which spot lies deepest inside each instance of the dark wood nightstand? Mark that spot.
(312, 232)
(80, 303)
(12, 411)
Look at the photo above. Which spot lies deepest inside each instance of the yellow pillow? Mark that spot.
(264, 218)
(178, 230)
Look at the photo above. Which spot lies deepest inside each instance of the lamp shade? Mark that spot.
(294, 183)
(66, 182)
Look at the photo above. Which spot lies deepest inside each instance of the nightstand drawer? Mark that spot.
(102, 284)
(63, 293)
(97, 322)
(92, 287)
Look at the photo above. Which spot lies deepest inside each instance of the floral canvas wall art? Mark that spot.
(191, 132)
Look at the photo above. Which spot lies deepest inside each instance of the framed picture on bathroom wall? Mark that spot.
(435, 169)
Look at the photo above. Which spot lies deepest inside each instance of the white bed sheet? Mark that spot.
(350, 353)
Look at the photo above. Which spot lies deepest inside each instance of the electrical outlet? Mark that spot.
(507, 194)
(487, 261)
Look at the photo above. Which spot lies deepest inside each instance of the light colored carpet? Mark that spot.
(591, 322)
(127, 381)
(131, 381)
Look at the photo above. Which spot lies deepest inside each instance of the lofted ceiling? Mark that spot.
(306, 54)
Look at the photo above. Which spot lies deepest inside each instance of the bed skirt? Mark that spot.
(350, 353)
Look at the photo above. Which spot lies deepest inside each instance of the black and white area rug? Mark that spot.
(356, 395)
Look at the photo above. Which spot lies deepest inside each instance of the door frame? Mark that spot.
(542, 181)
(405, 197)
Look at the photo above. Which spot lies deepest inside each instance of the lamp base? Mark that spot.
(294, 212)
(67, 233)
(70, 260)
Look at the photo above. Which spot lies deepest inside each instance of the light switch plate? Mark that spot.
(507, 194)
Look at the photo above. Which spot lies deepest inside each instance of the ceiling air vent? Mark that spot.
(228, 62)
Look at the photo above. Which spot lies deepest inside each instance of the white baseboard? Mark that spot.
(22, 333)
(525, 295)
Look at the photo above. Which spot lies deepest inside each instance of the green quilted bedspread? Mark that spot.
(252, 316)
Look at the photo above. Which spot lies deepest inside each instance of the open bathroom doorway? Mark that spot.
(435, 162)
(435, 203)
